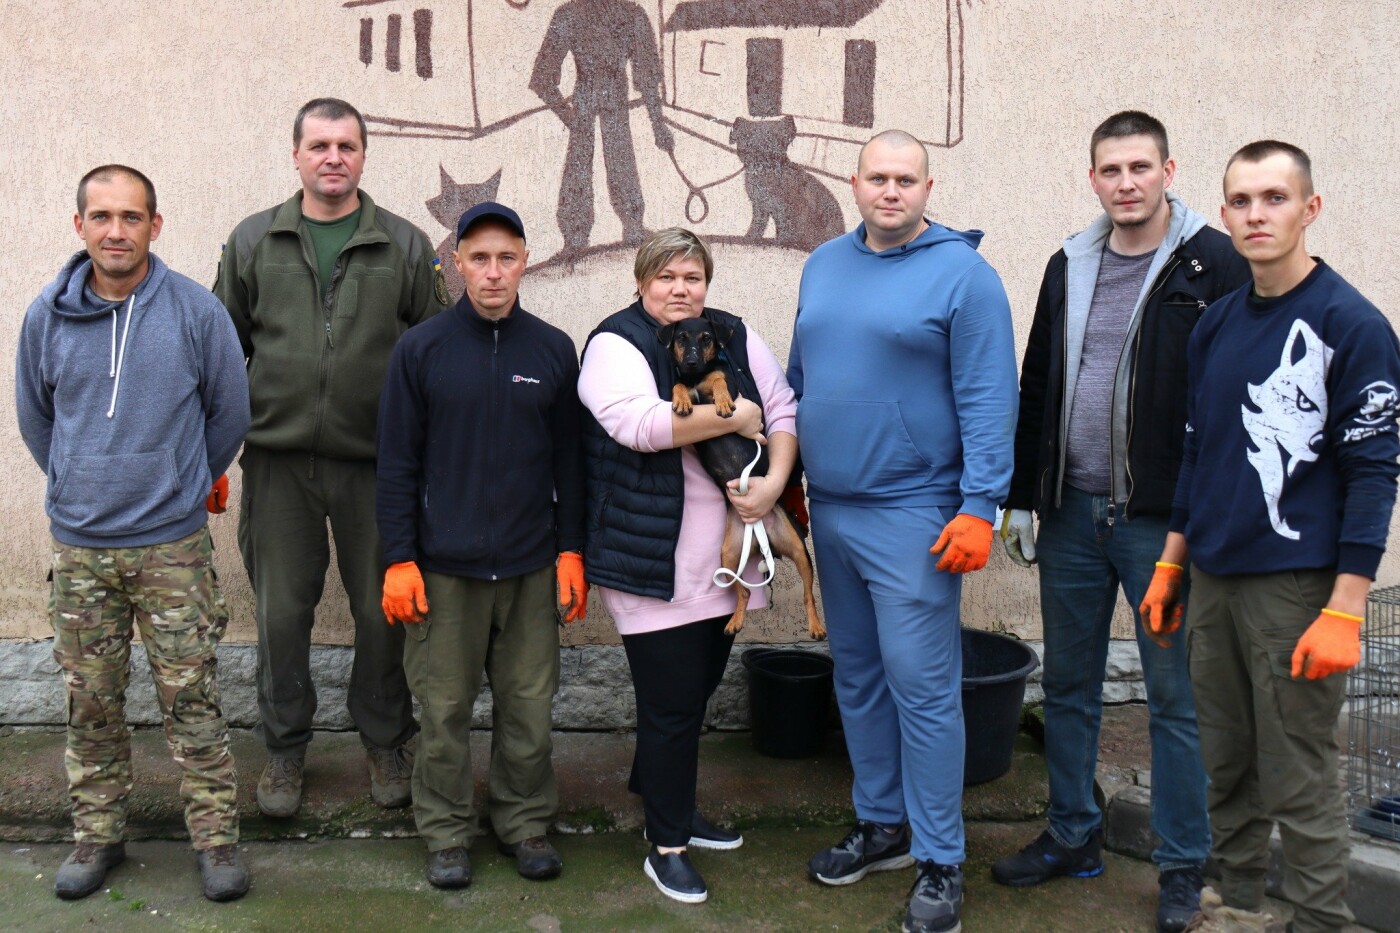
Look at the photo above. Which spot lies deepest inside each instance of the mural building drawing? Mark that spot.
(660, 106)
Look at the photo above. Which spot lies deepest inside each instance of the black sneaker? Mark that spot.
(706, 835)
(84, 870)
(675, 877)
(866, 848)
(1180, 898)
(1045, 859)
(935, 903)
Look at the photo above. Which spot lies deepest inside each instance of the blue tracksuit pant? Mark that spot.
(893, 622)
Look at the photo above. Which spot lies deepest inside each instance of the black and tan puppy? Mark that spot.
(702, 378)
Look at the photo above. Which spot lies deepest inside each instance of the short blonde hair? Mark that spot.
(657, 251)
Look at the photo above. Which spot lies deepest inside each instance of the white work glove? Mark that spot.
(1018, 536)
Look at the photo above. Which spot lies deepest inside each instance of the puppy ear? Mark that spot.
(665, 334)
(723, 333)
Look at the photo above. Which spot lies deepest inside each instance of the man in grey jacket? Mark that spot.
(132, 397)
(1098, 447)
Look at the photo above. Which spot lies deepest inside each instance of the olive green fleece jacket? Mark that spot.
(315, 366)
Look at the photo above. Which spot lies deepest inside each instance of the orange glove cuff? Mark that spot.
(217, 500)
(966, 543)
(573, 588)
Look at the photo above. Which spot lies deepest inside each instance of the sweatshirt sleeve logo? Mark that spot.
(1285, 417)
(1376, 415)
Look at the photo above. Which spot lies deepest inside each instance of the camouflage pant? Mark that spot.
(170, 593)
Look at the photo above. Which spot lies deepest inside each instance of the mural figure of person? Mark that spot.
(603, 36)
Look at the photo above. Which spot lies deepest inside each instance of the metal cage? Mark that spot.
(1373, 754)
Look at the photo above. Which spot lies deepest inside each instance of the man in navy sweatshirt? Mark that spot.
(904, 366)
(479, 492)
(132, 398)
(1107, 351)
(1283, 506)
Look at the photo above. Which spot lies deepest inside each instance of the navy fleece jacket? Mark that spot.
(1291, 445)
(132, 408)
(904, 366)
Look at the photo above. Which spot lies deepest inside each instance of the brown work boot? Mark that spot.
(391, 775)
(1215, 917)
(84, 871)
(534, 858)
(224, 875)
(279, 789)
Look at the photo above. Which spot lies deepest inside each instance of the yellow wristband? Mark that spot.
(1343, 615)
(1162, 563)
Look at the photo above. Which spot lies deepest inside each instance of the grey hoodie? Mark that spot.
(131, 408)
(1083, 252)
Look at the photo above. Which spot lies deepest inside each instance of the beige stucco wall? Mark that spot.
(200, 95)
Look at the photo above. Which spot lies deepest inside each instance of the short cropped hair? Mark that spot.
(898, 139)
(1129, 123)
(328, 108)
(1264, 148)
(107, 173)
(659, 249)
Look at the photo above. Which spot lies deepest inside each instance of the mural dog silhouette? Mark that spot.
(804, 213)
(701, 378)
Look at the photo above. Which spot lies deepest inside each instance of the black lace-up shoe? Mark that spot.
(935, 903)
(675, 877)
(534, 858)
(1045, 859)
(865, 849)
(1179, 899)
(449, 868)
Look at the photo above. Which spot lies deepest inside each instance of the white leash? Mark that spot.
(724, 577)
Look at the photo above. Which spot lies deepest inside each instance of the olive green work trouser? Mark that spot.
(1269, 741)
(508, 629)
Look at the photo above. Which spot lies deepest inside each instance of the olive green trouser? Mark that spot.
(1269, 741)
(508, 629)
(169, 593)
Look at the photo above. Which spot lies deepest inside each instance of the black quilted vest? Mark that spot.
(635, 499)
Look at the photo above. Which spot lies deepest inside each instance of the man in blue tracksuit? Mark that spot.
(903, 363)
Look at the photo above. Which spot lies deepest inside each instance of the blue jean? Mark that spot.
(895, 638)
(1083, 561)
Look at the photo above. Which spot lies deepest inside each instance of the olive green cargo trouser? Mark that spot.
(509, 630)
(1269, 741)
(169, 592)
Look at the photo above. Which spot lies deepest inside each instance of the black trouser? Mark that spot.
(674, 673)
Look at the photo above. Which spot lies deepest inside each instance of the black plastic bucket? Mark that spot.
(995, 669)
(789, 700)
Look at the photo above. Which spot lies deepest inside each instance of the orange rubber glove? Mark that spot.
(573, 588)
(968, 543)
(217, 501)
(1161, 609)
(1331, 645)
(793, 500)
(405, 600)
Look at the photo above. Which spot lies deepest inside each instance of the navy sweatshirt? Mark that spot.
(479, 472)
(1291, 443)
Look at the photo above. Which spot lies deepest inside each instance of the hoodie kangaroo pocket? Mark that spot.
(851, 448)
(118, 494)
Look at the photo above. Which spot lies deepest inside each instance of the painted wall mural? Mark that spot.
(771, 97)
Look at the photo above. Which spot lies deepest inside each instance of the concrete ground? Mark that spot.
(344, 865)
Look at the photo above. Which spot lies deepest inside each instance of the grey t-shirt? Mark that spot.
(1115, 296)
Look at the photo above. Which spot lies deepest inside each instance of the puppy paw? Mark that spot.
(735, 626)
(724, 408)
(818, 632)
(680, 400)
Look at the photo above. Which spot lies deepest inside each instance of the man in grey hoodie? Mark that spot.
(1098, 447)
(132, 397)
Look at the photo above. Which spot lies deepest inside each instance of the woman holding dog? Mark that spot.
(656, 522)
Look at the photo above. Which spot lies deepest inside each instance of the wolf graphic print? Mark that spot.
(1286, 415)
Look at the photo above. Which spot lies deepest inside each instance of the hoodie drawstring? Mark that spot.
(119, 354)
